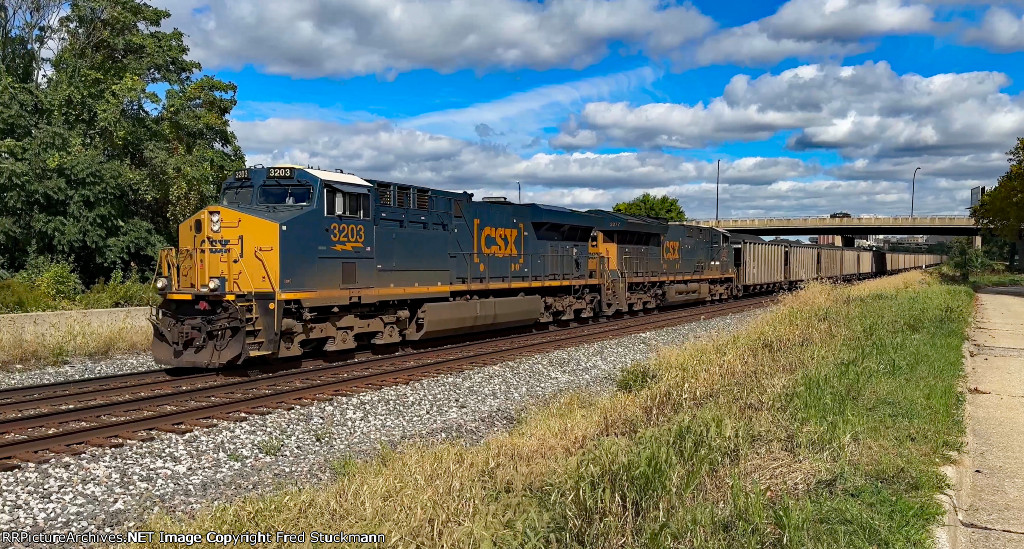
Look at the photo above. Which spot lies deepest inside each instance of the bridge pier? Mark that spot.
(977, 242)
(847, 241)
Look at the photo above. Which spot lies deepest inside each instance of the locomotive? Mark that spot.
(295, 259)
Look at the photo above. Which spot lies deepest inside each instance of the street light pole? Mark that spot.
(717, 180)
(913, 184)
(520, 192)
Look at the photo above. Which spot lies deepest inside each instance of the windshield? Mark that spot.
(241, 194)
(286, 194)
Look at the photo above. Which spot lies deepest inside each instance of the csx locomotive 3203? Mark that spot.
(295, 259)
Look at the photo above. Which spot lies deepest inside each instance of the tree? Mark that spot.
(648, 205)
(964, 259)
(1002, 208)
(95, 164)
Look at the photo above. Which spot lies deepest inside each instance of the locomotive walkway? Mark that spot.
(989, 492)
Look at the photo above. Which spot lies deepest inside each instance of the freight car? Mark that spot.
(294, 259)
(769, 266)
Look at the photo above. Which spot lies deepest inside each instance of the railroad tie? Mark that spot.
(175, 429)
(140, 436)
(34, 457)
(230, 417)
(72, 450)
(103, 442)
(257, 411)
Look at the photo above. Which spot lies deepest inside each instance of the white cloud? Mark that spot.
(863, 111)
(581, 139)
(384, 37)
(814, 29)
(522, 114)
(848, 19)
(969, 167)
(749, 186)
(751, 45)
(673, 125)
(381, 150)
(1001, 30)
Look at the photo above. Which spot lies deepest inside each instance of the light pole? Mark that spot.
(718, 178)
(913, 184)
(520, 192)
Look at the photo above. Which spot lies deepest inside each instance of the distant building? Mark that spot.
(781, 240)
(938, 238)
(915, 241)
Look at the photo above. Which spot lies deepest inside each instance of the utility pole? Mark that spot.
(718, 179)
(913, 184)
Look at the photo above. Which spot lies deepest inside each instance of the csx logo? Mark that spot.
(670, 250)
(496, 241)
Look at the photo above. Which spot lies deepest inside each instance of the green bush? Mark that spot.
(964, 259)
(18, 297)
(119, 292)
(48, 285)
(54, 278)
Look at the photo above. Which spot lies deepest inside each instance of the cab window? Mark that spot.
(238, 195)
(346, 204)
(285, 194)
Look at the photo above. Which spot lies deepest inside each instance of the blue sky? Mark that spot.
(813, 106)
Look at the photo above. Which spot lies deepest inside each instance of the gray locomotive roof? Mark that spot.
(338, 177)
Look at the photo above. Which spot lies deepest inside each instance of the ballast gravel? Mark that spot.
(113, 490)
(21, 376)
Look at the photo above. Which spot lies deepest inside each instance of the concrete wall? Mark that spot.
(31, 323)
(58, 335)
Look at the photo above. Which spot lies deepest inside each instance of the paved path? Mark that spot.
(990, 491)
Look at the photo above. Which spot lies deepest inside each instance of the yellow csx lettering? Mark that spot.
(498, 241)
(670, 250)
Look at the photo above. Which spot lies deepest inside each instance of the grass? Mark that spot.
(271, 446)
(822, 423)
(996, 279)
(51, 338)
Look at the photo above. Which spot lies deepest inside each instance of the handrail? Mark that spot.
(266, 268)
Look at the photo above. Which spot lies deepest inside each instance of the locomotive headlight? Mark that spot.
(215, 222)
(161, 284)
(214, 284)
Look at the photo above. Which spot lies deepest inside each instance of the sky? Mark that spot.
(810, 106)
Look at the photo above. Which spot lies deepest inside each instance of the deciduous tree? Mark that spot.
(1002, 208)
(115, 139)
(648, 205)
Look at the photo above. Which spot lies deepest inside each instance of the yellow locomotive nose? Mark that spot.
(224, 261)
(222, 251)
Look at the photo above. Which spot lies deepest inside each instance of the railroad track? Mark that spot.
(38, 423)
